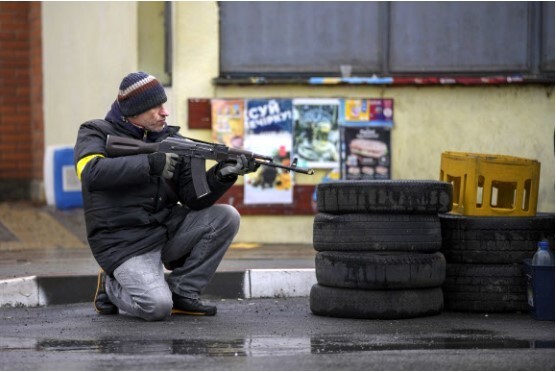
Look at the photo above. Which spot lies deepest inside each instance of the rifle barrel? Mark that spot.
(295, 169)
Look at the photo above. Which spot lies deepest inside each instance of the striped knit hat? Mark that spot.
(140, 92)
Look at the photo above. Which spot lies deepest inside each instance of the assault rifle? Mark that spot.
(198, 151)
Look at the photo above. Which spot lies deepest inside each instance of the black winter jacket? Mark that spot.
(128, 212)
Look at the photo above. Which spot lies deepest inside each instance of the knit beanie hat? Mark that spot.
(140, 92)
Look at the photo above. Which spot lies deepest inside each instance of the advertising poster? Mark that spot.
(316, 134)
(365, 153)
(366, 111)
(227, 122)
(268, 131)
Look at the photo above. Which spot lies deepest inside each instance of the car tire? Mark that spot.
(485, 288)
(382, 270)
(385, 196)
(371, 304)
(494, 240)
(377, 232)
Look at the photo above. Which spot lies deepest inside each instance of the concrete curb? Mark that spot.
(21, 292)
(35, 291)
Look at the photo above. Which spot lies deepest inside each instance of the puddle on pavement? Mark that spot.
(280, 346)
(441, 343)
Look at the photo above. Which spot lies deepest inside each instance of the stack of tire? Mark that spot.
(378, 248)
(485, 254)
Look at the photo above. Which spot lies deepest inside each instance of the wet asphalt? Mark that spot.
(270, 334)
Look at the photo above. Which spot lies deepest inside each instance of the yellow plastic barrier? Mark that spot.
(491, 185)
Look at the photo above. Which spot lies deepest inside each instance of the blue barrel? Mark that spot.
(67, 187)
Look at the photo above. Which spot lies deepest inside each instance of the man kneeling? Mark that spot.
(142, 213)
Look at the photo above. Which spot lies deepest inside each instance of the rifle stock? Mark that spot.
(122, 146)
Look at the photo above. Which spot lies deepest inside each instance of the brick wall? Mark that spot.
(21, 118)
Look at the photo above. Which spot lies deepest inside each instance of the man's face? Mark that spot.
(152, 120)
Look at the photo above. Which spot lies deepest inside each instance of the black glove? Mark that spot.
(240, 166)
(163, 164)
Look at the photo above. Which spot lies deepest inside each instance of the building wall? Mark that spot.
(515, 120)
(21, 138)
(36, 97)
(87, 47)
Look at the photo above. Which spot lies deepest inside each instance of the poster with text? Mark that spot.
(268, 131)
(367, 111)
(365, 153)
(316, 134)
(228, 122)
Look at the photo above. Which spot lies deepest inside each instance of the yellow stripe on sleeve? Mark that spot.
(84, 161)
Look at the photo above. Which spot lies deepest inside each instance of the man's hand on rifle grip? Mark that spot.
(163, 164)
(241, 167)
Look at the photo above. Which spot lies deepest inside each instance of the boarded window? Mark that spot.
(386, 38)
(459, 36)
(299, 37)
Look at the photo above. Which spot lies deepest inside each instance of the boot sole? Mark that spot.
(194, 313)
(102, 312)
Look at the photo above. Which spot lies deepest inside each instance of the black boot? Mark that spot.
(188, 306)
(103, 305)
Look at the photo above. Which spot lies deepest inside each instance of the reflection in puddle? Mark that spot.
(329, 346)
(471, 332)
(239, 347)
(283, 346)
(183, 347)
